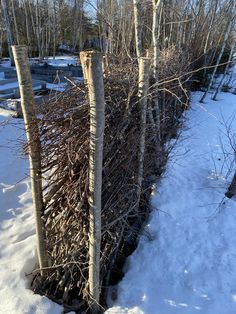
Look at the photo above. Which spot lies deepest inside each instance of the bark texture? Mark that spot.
(138, 27)
(94, 76)
(32, 133)
(5, 10)
(144, 71)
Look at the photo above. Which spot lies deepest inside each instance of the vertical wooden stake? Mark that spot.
(32, 133)
(94, 76)
(83, 57)
(144, 72)
(157, 11)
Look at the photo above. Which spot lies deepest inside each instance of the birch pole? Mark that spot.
(156, 59)
(32, 134)
(94, 76)
(83, 60)
(155, 37)
(144, 71)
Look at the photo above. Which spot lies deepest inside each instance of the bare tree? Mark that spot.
(232, 188)
(15, 22)
(8, 28)
(155, 36)
(220, 85)
(138, 27)
(226, 35)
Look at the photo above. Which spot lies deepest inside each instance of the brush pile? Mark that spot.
(65, 135)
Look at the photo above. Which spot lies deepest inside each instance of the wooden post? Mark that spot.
(83, 60)
(94, 76)
(32, 133)
(83, 57)
(144, 72)
(156, 61)
(155, 37)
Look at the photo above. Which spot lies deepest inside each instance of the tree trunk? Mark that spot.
(156, 60)
(207, 40)
(232, 188)
(15, 23)
(27, 27)
(218, 90)
(155, 32)
(32, 133)
(8, 28)
(138, 28)
(38, 29)
(94, 73)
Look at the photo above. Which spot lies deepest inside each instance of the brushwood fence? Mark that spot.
(102, 146)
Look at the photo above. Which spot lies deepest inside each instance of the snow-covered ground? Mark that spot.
(63, 61)
(186, 265)
(17, 232)
(15, 85)
(189, 263)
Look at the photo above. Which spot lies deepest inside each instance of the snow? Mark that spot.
(6, 63)
(9, 85)
(188, 263)
(15, 85)
(2, 76)
(60, 87)
(62, 61)
(17, 232)
(57, 87)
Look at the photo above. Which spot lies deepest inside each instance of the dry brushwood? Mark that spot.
(64, 128)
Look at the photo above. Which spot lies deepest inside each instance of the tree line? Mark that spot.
(44, 25)
(198, 27)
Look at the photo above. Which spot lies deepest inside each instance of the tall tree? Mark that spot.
(138, 27)
(8, 28)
